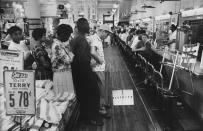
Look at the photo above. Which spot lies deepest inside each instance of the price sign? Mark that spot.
(20, 92)
(10, 60)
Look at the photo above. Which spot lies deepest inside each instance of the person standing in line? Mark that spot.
(98, 64)
(40, 55)
(84, 79)
(61, 58)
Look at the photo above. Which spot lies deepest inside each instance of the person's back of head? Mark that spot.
(142, 31)
(14, 29)
(140, 37)
(132, 31)
(38, 33)
(64, 32)
(83, 26)
(137, 32)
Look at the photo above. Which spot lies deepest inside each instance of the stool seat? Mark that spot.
(171, 94)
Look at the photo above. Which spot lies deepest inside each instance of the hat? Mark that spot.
(106, 28)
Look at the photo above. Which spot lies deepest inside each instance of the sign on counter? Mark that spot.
(20, 92)
(10, 60)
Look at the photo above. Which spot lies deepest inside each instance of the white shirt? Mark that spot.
(172, 36)
(135, 40)
(124, 36)
(108, 40)
(95, 41)
(20, 47)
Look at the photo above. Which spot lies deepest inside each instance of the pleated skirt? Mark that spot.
(63, 81)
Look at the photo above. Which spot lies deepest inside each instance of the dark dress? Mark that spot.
(42, 72)
(85, 80)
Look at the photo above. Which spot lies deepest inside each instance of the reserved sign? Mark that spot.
(20, 92)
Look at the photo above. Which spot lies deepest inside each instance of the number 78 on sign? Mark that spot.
(20, 92)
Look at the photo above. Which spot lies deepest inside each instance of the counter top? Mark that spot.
(195, 67)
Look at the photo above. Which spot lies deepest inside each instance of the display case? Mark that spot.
(162, 24)
(54, 112)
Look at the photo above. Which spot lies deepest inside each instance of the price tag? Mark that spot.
(10, 60)
(20, 92)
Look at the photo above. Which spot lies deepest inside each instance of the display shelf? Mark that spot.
(62, 110)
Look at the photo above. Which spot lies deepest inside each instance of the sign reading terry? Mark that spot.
(20, 92)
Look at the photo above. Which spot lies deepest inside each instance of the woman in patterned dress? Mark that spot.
(61, 60)
(43, 67)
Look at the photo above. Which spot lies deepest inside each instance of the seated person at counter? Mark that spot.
(144, 47)
(172, 38)
(130, 36)
(136, 38)
(139, 43)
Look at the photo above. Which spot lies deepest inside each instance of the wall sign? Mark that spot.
(20, 92)
(48, 8)
(10, 60)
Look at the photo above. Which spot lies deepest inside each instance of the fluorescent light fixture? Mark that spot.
(194, 12)
(137, 21)
(163, 17)
(115, 6)
(146, 19)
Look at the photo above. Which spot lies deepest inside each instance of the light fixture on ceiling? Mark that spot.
(68, 7)
(115, 6)
(138, 11)
(147, 6)
(161, 1)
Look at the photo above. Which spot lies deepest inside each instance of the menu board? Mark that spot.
(48, 8)
(20, 92)
(10, 60)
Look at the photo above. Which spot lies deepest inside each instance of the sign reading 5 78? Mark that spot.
(20, 92)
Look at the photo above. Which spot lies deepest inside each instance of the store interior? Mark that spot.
(167, 84)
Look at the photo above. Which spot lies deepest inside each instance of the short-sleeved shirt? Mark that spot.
(42, 72)
(39, 51)
(107, 40)
(139, 44)
(20, 47)
(61, 56)
(172, 36)
(95, 41)
(134, 43)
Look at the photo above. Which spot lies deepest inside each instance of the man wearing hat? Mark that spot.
(98, 62)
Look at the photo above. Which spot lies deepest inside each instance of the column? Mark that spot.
(32, 12)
